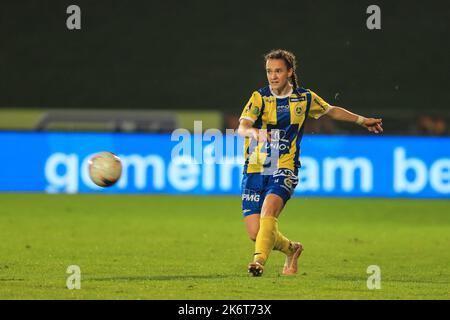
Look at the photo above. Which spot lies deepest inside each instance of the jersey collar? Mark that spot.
(281, 97)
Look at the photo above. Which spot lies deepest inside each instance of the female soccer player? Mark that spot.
(272, 123)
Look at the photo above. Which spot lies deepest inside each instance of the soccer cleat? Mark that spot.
(290, 266)
(255, 268)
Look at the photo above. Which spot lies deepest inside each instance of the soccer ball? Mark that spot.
(105, 169)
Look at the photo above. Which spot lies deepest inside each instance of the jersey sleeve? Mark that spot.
(252, 109)
(319, 107)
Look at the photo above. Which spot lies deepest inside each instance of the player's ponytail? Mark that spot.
(289, 59)
(294, 80)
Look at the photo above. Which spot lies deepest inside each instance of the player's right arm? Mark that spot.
(251, 113)
(246, 129)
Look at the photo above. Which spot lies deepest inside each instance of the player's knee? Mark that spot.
(271, 211)
(272, 206)
(252, 235)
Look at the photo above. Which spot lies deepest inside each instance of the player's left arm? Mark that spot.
(341, 114)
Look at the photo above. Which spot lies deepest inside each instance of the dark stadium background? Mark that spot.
(207, 55)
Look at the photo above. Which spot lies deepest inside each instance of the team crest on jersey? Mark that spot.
(298, 110)
(256, 111)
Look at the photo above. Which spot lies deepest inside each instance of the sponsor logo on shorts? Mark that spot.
(251, 197)
(285, 172)
(288, 183)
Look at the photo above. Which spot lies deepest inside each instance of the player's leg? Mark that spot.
(268, 227)
(252, 199)
(282, 243)
(269, 237)
(283, 184)
(252, 225)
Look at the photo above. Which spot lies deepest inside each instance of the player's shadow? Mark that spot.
(161, 278)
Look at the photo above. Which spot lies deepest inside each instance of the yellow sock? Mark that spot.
(282, 243)
(265, 240)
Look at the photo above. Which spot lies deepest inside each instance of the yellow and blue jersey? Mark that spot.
(284, 117)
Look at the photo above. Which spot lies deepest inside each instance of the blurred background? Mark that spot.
(136, 71)
(152, 66)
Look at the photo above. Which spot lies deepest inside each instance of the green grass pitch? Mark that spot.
(164, 247)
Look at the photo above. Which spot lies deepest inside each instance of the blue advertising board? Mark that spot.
(361, 166)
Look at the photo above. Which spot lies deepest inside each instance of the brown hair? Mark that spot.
(289, 59)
